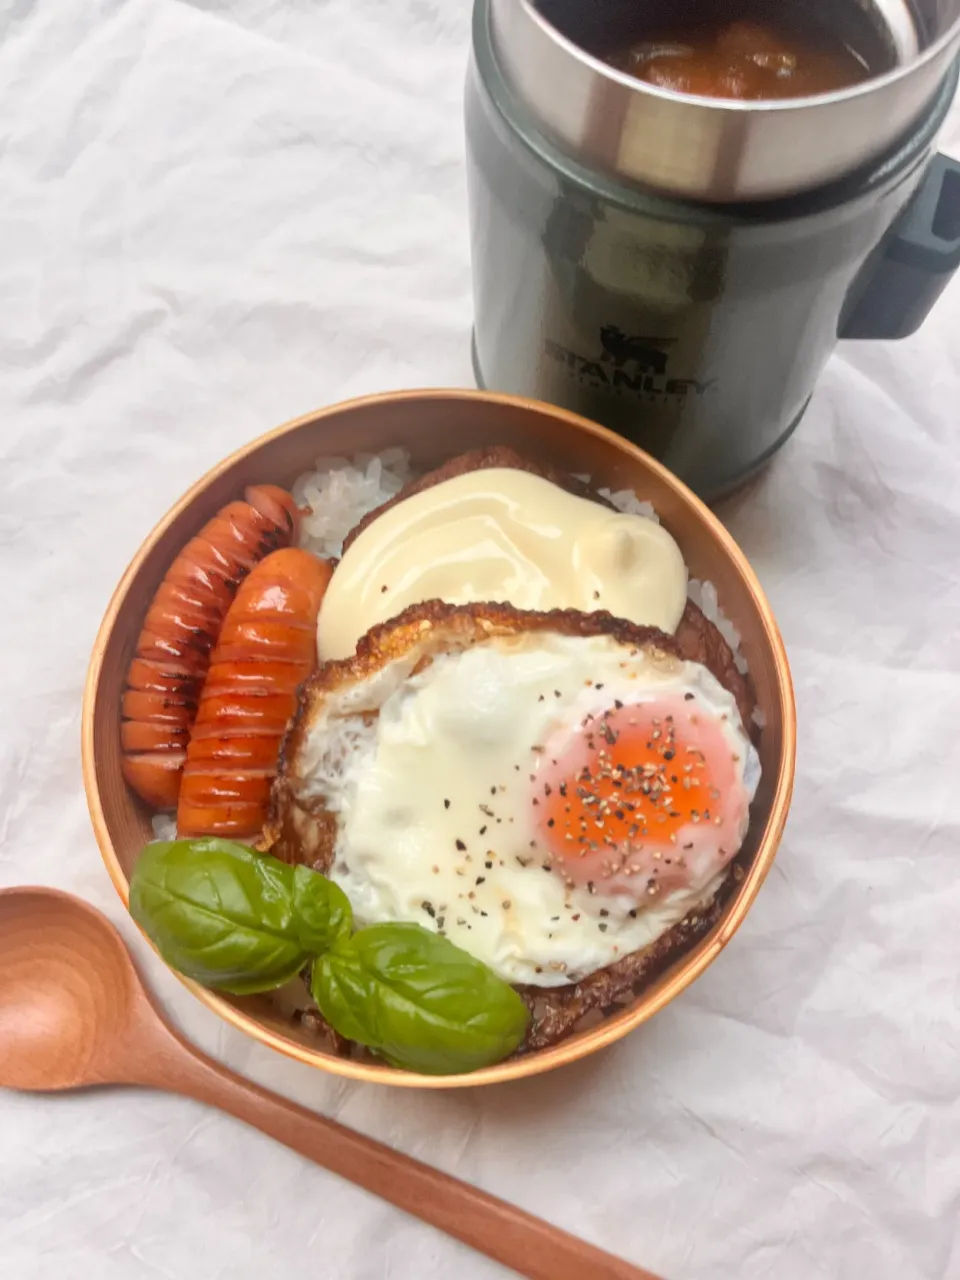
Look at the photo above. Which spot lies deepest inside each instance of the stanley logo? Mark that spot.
(629, 364)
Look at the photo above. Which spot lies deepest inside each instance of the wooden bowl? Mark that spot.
(435, 426)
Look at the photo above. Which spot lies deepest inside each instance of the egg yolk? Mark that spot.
(641, 798)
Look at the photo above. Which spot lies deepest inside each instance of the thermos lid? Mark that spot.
(714, 149)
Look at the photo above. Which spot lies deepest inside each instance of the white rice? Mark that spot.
(340, 493)
(164, 826)
(627, 501)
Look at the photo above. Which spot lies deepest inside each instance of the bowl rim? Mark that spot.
(687, 968)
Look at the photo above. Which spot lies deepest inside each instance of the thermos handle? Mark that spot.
(915, 263)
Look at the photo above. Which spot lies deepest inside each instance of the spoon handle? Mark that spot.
(518, 1240)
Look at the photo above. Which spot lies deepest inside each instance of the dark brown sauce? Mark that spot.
(745, 60)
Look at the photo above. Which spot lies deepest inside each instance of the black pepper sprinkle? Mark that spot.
(550, 822)
(446, 804)
(481, 880)
(484, 914)
(429, 910)
(493, 791)
(688, 697)
(602, 927)
(632, 914)
(604, 912)
(461, 846)
(488, 865)
(483, 831)
(618, 704)
(577, 916)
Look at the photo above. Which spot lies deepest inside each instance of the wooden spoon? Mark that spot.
(74, 1012)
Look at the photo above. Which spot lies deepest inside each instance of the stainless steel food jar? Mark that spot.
(695, 327)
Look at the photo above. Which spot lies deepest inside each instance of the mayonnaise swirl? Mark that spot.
(503, 536)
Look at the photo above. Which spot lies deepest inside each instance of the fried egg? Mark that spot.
(550, 802)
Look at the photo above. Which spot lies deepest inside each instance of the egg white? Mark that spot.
(433, 798)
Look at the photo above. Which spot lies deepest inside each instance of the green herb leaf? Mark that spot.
(220, 913)
(418, 1001)
(322, 910)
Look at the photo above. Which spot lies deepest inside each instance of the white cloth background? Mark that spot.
(215, 216)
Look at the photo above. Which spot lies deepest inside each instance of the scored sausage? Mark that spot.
(181, 627)
(267, 648)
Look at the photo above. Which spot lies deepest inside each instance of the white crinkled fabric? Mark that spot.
(218, 215)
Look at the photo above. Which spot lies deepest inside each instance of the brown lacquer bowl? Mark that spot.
(435, 426)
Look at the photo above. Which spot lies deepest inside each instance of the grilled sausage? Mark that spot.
(267, 648)
(181, 627)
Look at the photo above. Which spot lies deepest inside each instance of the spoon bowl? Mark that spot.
(67, 992)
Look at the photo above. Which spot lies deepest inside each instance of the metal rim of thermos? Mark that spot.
(710, 149)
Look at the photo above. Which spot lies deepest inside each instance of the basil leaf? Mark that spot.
(322, 909)
(418, 1001)
(219, 913)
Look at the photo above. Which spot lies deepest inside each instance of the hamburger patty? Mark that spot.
(301, 829)
(699, 640)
